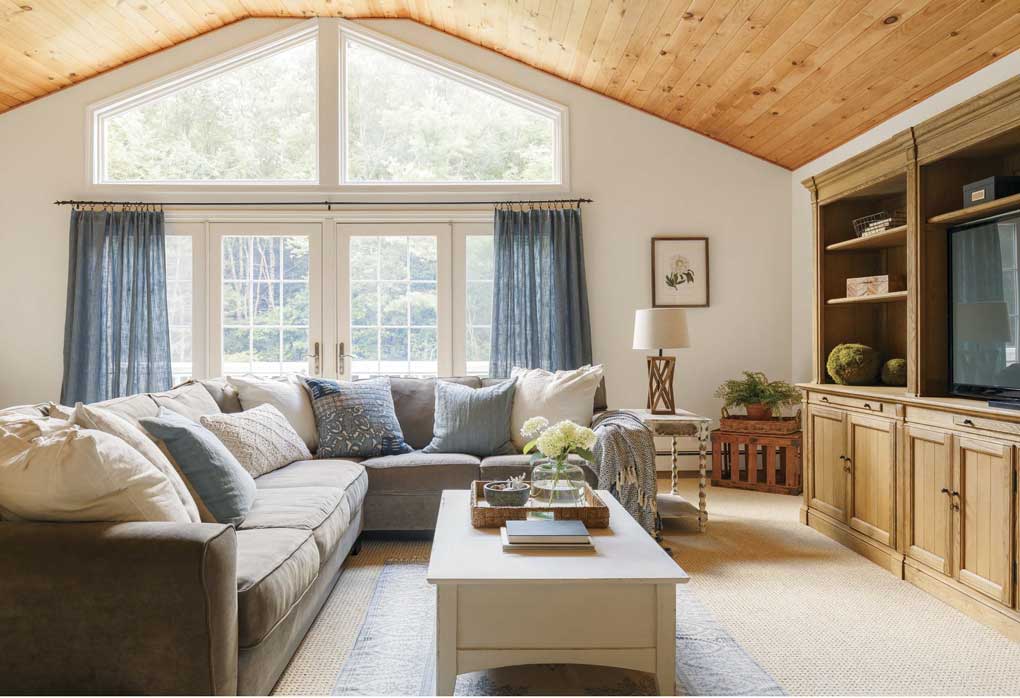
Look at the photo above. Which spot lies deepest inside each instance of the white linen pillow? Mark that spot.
(261, 438)
(54, 471)
(556, 396)
(90, 417)
(191, 400)
(287, 395)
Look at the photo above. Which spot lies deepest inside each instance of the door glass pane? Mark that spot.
(266, 304)
(478, 303)
(393, 305)
(179, 304)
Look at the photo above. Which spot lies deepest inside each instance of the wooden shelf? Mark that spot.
(975, 212)
(879, 298)
(894, 237)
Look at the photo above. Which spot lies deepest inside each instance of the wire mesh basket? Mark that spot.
(877, 223)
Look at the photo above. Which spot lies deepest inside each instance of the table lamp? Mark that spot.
(658, 329)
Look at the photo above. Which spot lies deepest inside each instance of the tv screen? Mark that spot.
(983, 309)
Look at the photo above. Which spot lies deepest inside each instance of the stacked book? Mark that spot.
(545, 535)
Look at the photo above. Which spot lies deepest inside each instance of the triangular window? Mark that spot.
(249, 118)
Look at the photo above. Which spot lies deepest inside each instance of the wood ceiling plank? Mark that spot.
(854, 86)
(562, 60)
(598, 10)
(533, 28)
(66, 44)
(642, 35)
(554, 46)
(832, 81)
(597, 76)
(997, 27)
(643, 56)
(690, 22)
(735, 32)
(615, 27)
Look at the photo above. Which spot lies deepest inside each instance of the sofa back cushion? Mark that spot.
(414, 401)
(130, 407)
(51, 470)
(475, 421)
(288, 395)
(190, 400)
(224, 394)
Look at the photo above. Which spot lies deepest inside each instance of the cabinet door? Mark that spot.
(983, 516)
(872, 443)
(928, 527)
(827, 451)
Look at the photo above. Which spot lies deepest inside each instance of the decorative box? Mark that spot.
(989, 189)
(874, 285)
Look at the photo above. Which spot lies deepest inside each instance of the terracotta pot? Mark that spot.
(758, 411)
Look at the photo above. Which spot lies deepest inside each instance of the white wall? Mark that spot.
(647, 177)
(802, 248)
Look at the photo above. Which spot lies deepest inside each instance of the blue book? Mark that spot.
(549, 532)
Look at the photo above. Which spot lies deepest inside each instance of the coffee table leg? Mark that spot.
(446, 639)
(665, 639)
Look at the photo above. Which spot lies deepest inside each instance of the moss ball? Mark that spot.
(894, 372)
(853, 364)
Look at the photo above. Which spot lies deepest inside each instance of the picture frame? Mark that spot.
(680, 269)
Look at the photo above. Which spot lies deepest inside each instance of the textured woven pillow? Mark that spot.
(261, 438)
(475, 421)
(356, 419)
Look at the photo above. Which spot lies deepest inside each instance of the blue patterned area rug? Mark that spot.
(394, 654)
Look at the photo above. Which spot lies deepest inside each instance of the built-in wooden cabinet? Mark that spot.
(917, 481)
(983, 511)
(928, 516)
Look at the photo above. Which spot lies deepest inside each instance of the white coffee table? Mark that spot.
(613, 607)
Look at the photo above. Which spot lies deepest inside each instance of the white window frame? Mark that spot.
(471, 78)
(328, 263)
(99, 112)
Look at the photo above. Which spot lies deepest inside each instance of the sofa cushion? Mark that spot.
(324, 511)
(601, 403)
(190, 400)
(472, 420)
(419, 472)
(223, 393)
(355, 418)
(502, 467)
(288, 395)
(261, 438)
(132, 407)
(557, 396)
(275, 566)
(326, 472)
(414, 401)
(40, 410)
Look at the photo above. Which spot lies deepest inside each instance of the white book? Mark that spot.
(509, 547)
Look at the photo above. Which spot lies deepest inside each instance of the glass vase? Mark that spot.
(557, 482)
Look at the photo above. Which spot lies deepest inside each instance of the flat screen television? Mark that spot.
(983, 308)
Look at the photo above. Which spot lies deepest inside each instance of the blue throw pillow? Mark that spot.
(225, 488)
(475, 421)
(356, 419)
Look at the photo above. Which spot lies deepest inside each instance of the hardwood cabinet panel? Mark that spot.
(872, 453)
(928, 524)
(983, 513)
(828, 488)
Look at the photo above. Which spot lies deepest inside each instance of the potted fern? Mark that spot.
(757, 394)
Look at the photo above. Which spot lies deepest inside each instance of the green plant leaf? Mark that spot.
(528, 446)
(586, 454)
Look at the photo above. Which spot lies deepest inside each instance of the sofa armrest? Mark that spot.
(115, 608)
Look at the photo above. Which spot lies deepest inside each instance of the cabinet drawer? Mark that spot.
(856, 403)
(959, 422)
(981, 423)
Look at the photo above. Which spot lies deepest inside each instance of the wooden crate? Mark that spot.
(757, 462)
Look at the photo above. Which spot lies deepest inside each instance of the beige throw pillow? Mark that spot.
(261, 439)
(191, 400)
(563, 395)
(54, 471)
(101, 419)
(288, 395)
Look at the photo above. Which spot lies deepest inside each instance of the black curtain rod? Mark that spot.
(328, 204)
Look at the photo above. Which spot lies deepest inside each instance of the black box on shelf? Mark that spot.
(989, 189)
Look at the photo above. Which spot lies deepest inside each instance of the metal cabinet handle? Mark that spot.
(968, 422)
(945, 490)
(315, 356)
(956, 507)
(955, 493)
(824, 399)
(867, 405)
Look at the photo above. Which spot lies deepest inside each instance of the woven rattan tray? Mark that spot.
(746, 425)
(593, 513)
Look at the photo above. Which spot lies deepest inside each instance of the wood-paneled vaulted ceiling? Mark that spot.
(786, 80)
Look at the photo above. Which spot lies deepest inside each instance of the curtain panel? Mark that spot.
(540, 298)
(116, 332)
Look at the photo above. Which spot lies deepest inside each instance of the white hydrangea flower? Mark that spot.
(534, 426)
(587, 437)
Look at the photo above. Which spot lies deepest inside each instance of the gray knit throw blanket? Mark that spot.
(625, 461)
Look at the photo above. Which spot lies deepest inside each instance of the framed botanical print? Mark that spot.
(679, 272)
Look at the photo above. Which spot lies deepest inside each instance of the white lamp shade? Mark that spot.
(661, 328)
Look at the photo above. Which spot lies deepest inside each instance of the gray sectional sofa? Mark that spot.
(202, 608)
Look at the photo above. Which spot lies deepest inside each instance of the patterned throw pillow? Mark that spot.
(356, 419)
(261, 438)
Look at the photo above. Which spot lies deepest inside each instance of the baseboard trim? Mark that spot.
(881, 555)
(949, 591)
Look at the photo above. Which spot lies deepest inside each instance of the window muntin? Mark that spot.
(265, 306)
(254, 121)
(478, 283)
(179, 296)
(407, 121)
(393, 305)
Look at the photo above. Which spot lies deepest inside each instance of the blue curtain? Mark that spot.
(540, 299)
(116, 333)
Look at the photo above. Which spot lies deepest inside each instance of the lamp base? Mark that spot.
(660, 384)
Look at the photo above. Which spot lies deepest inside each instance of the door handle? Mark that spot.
(340, 356)
(315, 356)
(945, 490)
